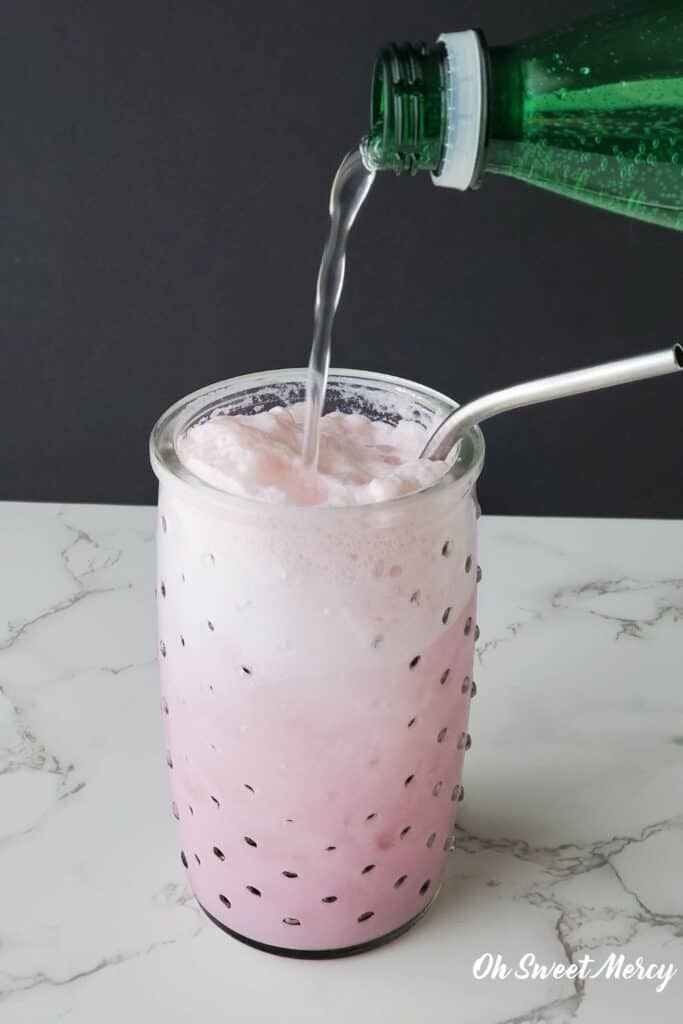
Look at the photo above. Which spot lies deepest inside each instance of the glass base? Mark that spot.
(321, 954)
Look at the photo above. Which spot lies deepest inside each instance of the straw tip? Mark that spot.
(678, 355)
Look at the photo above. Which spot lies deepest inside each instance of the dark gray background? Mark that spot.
(165, 174)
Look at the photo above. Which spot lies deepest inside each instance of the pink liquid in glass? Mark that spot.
(316, 666)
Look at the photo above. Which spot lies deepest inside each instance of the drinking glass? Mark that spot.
(316, 677)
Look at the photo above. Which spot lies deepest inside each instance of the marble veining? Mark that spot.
(570, 838)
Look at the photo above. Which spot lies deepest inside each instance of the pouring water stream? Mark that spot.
(350, 187)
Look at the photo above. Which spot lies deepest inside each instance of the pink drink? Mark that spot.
(316, 666)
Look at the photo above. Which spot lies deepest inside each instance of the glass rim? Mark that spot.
(168, 467)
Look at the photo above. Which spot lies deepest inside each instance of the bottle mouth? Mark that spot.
(408, 109)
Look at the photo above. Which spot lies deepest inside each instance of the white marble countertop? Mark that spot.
(571, 835)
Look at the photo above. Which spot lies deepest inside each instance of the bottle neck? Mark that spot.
(408, 112)
(428, 106)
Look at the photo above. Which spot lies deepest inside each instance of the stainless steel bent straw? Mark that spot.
(593, 378)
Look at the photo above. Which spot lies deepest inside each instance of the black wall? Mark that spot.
(165, 170)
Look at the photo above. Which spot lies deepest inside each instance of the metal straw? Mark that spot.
(593, 378)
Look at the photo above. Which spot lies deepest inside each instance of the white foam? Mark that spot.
(361, 461)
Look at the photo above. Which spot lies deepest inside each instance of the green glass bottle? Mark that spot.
(593, 112)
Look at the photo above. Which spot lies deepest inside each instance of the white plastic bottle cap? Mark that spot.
(465, 98)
